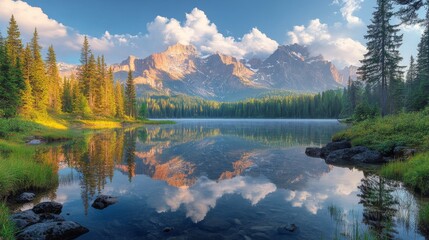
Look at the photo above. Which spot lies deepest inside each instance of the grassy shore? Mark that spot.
(406, 129)
(20, 170)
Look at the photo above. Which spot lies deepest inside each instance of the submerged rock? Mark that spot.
(48, 207)
(52, 230)
(168, 229)
(103, 201)
(313, 152)
(25, 197)
(24, 219)
(287, 229)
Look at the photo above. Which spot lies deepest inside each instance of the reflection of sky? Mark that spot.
(339, 186)
(201, 197)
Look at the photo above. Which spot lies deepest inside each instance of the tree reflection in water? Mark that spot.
(379, 205)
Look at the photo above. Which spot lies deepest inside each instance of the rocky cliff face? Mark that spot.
(180, 69)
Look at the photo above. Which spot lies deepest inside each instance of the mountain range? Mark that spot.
(181, 69)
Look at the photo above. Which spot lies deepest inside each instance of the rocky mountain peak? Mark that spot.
(181, 49)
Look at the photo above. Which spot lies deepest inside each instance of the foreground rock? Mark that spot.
(343, 154)
(52, 230)
(25, 197)
(48, 207)
(103, 201)
(43, 222)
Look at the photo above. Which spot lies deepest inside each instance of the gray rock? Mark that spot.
(52, 230)
(25, 197)
(103, 201)
(401, 152)
(370, 157)
(287, 229)
(50, 217)
(313, 152)
(344, 156)
(48, 207)
(35, 142)
(333, 146)
(24, 218)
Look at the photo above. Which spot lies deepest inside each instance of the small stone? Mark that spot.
(287, 229)
(48, 207)
(35, 142)
(168, 229)
(25, 197)
(103, 201)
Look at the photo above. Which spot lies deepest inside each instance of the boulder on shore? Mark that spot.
(313, 152)
(52, 230)
(333, 146)
(48, 207)
(24, 218)
(401, 152)
(25, 197)
(103, 201)
(370, 157)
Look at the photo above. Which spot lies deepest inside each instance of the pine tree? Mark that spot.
(11, 83)
(27, 99)
(119, 100)
(13, 42)
(66, 97)
(130, 96)
(54, 81)
(110, 93)
(92, 88)
(38, 77)
(381, 63)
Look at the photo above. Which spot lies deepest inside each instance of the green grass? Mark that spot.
(413, 172)
(424, 218)
(7, 229)
(383, 134)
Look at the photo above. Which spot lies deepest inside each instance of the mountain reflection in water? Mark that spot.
(191, 175)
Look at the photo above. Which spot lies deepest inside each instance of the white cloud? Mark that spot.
(197, 29)
(318, 37)
(348, 8)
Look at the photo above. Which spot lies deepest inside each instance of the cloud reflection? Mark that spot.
(201, 197)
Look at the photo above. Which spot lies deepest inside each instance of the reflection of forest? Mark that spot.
(180, 154)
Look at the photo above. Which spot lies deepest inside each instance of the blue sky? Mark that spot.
(242, 28)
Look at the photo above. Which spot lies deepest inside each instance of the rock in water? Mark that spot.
(370, 156)
(48, 207)
(25, 197)
(52, 230)
(24, 219)
(103, 201)
(288, 229)
(313, 152)
(333, 146)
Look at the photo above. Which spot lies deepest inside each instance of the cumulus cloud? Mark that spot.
(348, 8)
(318, 37)
(197, 30)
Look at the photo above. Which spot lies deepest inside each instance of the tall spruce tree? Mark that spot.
(11, 83)
(53, 80)
(130, 97)
(38, 77)
(27, 99)
(13, 42)
(381, 63)
(66, 96)
(119, 100)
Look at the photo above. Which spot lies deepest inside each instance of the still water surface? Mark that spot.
(223, 179)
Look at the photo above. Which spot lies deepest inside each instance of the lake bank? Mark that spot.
(22, 166)
(406, 131)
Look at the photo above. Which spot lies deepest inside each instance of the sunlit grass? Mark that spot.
(7, 229)
(50, 122)
(99, 124)
(383, 134)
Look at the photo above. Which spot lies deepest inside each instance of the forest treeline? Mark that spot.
(31, 87)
